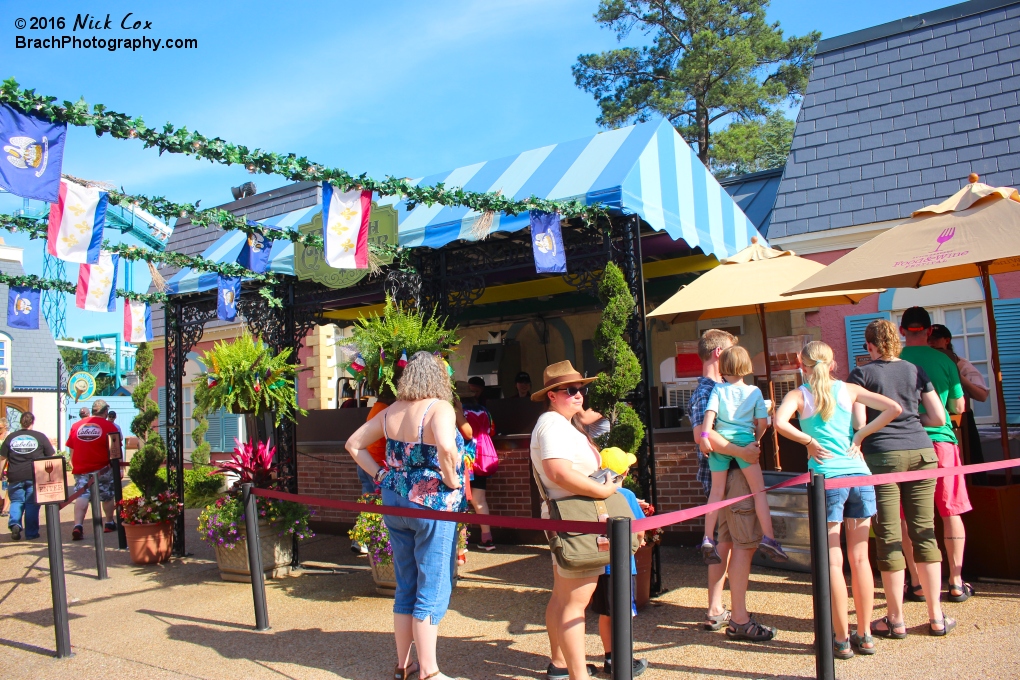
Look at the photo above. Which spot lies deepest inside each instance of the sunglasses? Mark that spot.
(572, 391)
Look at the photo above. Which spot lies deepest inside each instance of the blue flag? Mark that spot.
(23, 308)
(226, 301)
(254, 253)
(33, 153)
(547, 243)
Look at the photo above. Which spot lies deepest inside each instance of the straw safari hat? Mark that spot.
(555, 375)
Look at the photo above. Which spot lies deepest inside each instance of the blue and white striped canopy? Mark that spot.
(645, 169)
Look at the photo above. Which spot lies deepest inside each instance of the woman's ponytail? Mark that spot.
(818, 357)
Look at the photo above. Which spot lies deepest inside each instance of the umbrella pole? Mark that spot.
(772, 388)
(996, 366)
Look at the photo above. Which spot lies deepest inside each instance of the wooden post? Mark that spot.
(996, 367)
(772, 388)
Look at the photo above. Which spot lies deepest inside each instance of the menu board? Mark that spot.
(50, 480)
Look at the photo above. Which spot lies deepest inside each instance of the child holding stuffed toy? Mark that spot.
(737, 412)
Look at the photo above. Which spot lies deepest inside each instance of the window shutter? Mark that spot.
(214, 435)
(855, 325)
(231, 430)
(1007, 327)
(161, 402)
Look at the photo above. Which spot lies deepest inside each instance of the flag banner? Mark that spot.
(547, 243)
(137, 321)
(33, 151)
(75, 232)
(254, 253)
(345, 218)
(23, 308)
(226, 300)
(97, 284)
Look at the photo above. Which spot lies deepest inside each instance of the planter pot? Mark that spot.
(993, 534)
(277, 554)
(150, 543)
(643, 580)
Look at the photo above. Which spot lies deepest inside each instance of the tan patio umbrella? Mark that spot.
(753, 282)
(976, 232)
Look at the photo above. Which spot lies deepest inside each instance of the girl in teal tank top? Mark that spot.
(825, 407)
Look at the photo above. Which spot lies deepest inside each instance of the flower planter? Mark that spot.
(385, 578)
(277, 554)
(150, 543)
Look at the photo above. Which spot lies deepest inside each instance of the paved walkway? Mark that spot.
(180, 620)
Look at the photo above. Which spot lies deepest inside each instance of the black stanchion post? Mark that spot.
(824, 661)
(116, 449)
(97, 526)
(258, 582)
(57, 586)
(620, 596)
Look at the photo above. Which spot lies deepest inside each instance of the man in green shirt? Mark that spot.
(951, 497)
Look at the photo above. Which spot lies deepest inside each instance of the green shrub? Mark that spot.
(201, 486)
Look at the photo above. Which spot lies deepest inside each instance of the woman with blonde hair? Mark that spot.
(902, 446)
(825, 407)
(424, 470)
(563, 457)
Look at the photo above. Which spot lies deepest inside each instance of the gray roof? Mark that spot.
(192, 239)
(35, 355)
(896, 117)
(755, 193)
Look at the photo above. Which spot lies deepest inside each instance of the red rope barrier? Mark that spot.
(914, 475)
(72, 497)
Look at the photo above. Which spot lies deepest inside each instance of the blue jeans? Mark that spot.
(856, 502)
(367, 483)
(424, 560)
(22, 496)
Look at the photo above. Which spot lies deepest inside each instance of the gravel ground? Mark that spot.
(180, 620)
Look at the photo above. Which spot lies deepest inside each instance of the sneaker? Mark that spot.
(556, 673)
(708, 551)
(487, 545)
(15, 532)
(640, 666)
(461, 559)
(109, 527)
(358, 549)
(78, 532)
(772, 549)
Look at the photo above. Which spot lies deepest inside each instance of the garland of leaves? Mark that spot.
(290, 166)
(39, 283)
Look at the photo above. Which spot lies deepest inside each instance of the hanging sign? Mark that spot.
(50, 480)
(310, 265)
(81, 385)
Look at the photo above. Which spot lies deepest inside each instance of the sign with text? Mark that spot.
(50, 480)
(116, 445)
(310, 265)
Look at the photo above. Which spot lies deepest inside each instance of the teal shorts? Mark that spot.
(718, 462)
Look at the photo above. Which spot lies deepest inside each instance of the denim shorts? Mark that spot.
(855, 502)
(105, 485)
(424, 561)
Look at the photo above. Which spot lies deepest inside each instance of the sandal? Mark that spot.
(751, 631)
(947, 624)
(914, 593)
(858, 642)
(890, 629)
(841, 650)
(964, 591)
(406, 673)
(708, 551)
(718, 621)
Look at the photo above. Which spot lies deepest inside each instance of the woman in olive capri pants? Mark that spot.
(902, 446)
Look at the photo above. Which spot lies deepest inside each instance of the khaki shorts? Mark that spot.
(738, 523)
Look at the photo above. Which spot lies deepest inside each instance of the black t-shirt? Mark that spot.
(903, 382)
(21, 448)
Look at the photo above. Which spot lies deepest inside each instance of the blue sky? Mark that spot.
(393, 87)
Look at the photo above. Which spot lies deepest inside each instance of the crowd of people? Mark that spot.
(890, 415)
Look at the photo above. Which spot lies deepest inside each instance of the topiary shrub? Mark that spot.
(622, 369)
(151, 454)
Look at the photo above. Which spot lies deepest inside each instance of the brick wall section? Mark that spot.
(510, 491)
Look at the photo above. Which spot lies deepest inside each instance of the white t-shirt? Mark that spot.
(555, 437)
